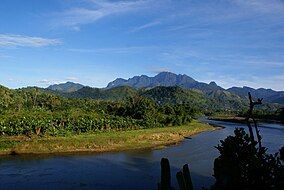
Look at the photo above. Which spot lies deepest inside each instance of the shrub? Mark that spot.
(242, 165)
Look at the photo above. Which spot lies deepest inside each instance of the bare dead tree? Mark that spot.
(250, 115)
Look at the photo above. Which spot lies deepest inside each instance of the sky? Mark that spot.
(92, 42)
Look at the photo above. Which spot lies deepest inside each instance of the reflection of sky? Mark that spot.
(125, 170)
(234, 43)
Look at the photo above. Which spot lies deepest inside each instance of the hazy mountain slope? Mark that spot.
(120, 88)
(226, 100)
(175, 94)
(117, 93)
(214, 100)
(268, 95)
(65, 87)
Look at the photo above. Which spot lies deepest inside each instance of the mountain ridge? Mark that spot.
(166, 79)
(267, 94)
(171, 79)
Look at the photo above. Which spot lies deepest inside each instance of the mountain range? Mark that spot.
(164, 79)
(267, 94)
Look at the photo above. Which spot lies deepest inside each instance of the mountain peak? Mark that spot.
(165, 78)
(166, 73)
(66, 87)
(212, 83)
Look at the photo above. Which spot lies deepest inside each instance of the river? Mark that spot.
(139, 170)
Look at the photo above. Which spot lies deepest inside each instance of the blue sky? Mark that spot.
(233, 42)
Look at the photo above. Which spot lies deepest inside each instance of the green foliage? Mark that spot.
(117, 93)
(242, 165)
(35, 111)
(266, 112)
(224, 100)
(6, 144)
(39, 111)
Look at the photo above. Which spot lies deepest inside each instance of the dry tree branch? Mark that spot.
(250, 115)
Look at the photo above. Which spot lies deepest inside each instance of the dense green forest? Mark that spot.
(35, 111)
(39, 111)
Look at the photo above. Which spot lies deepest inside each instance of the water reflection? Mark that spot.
(125, 170)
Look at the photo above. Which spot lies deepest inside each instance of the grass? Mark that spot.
(101, 141)
(229, 118)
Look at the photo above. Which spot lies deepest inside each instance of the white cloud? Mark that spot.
(11, 40)
(97, 10)
(45, 81)
(116, 50)
(263, 6)
(4, 56)
(52, 81)
(148, 25)
(75, 79)
(159, 70)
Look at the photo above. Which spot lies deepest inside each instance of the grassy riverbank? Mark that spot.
(236, 119)
(101, 141)
(233, 119)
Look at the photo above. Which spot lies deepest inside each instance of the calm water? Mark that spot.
(125, 170)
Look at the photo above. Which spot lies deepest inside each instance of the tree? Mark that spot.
(281, 115)
(242, 165)
(139, 107)
(243, 162)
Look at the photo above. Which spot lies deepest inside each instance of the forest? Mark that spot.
(33, 110)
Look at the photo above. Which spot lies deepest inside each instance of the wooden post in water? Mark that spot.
(184, 179)
(165, 183)
(180, 180)
(187, 177)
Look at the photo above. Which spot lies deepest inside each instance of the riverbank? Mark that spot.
(236, 119)
(101, 141)
(233, 119)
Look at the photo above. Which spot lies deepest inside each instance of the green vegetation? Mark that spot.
(211, 101)
(207, 102)
(265, 113)
(244, 164)
(41, 114)
(34, 120)
(100, 141)
(38, 111)
(35, 111)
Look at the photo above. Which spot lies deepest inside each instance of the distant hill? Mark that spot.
(226, 100)
(213, 100)
(175, 95)
(164, 79)
(66, 87)
(268, 95)
(117, 93)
